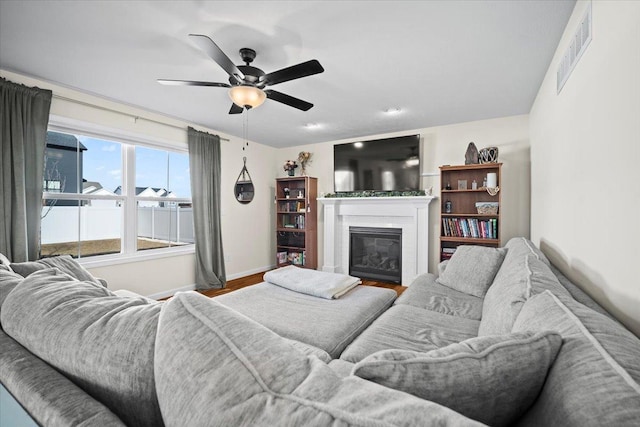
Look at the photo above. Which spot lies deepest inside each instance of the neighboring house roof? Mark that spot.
(91, 186)
(95, 188)
(64, 141)
(159, 192)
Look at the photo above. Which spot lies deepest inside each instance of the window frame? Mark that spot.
(129, 141)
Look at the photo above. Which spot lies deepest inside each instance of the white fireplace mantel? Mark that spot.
(411, 214)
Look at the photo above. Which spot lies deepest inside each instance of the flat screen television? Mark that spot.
(391, 164)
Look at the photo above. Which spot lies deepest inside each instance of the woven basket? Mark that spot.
(487, 209)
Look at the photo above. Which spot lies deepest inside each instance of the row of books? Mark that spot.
(470, 227)
(292, 207)
(295, 258)
(298, 222)
(447, 253)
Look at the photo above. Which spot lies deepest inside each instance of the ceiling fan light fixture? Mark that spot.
(247, 96)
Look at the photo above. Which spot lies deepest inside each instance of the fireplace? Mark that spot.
(410, 214)
(376, 253)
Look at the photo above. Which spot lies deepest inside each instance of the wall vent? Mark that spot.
(579, 43)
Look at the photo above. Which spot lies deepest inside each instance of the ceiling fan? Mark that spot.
(247, 83)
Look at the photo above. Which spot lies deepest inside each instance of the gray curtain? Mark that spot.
(204, 166)
(24, 115)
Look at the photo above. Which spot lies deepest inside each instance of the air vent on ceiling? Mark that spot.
(578, 45)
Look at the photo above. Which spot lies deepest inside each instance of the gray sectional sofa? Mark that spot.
(500, 337)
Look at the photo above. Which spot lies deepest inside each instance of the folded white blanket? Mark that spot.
(312, 282)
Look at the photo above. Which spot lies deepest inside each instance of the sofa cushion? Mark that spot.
(521, 246)
(310, 350)
(102, 342)
(425, 292)
(490, 379)
(578, 294)
(519, 278)
(594, 380)
(341, 368)
(215, 366)
(4, 262)
(327, 324)
(64, 263)
(410, 328)
(471, 269)
(8, 281)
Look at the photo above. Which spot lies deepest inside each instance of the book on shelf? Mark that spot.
(297, 258)
(282, 257)
(470, 228)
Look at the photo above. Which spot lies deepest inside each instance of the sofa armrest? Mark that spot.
(49, 397)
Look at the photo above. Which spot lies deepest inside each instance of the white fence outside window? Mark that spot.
(102, 222)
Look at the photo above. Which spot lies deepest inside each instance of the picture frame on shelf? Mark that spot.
(462, 184)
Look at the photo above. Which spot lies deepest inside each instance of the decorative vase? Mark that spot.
(471, 155)
(290, 172)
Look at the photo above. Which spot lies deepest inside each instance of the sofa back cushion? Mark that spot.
(214, 366)
(64, 263)
(490, 379)
(103, 343)
(521, 276)
(471, 269)
(594, 380)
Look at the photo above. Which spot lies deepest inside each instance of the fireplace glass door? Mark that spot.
(376, 253)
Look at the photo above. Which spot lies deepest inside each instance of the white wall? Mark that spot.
(440, 146)
(585, 152)
(246, 229)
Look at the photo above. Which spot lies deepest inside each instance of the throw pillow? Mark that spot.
(471, 269)
(517, 280)
(64, 263)
(101, 342)
(214, 366)
(26, 268)
(595, 379)
(490, 379)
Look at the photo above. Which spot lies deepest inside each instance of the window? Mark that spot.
(95, 205)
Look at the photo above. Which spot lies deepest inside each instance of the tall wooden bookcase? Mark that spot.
(296, 221)
(461, 221)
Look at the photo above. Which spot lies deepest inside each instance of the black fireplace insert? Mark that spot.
(376, 253)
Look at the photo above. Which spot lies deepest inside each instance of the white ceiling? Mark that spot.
(441, 62)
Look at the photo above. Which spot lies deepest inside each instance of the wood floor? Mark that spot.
(235, 284)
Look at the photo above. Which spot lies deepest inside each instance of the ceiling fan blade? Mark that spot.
(215, 53)
(235, 109)
(288, 100)
(191, 83)
(305, 69)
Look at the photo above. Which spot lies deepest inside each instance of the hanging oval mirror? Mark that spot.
(244, 186)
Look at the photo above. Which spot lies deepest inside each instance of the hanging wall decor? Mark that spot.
(244, 186)
(304, 158)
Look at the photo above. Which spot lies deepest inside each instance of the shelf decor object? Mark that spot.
(469, 216)
(488, 155)
(296, 222)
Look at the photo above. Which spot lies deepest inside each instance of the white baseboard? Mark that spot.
(171, 292)
(250, 272)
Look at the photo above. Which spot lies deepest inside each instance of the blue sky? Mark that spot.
(103, 163)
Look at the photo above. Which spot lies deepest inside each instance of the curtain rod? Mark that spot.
(111, 110)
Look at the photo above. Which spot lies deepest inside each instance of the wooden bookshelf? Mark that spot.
(296, 221)
(464, 225)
